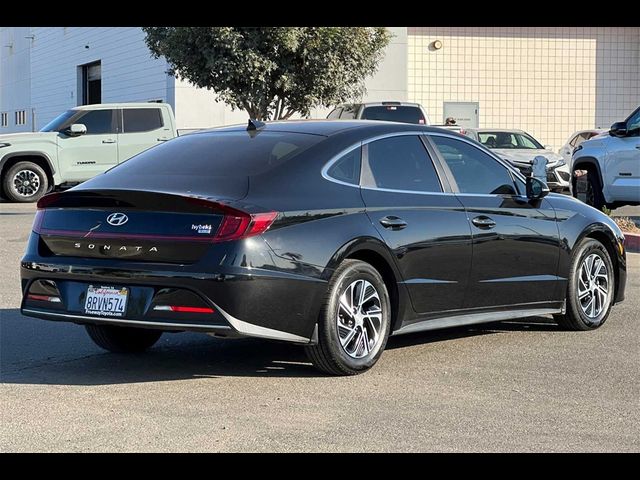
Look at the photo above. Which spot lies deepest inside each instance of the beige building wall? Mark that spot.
(548, 81)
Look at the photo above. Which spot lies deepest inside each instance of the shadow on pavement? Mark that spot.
(41, 352)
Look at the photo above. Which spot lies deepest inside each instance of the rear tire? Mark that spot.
(591, 278)
(25, 182)
(122, 339)
(354, 322)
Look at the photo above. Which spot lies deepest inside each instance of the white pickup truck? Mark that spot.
(79, 144)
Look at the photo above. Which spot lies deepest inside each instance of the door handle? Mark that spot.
(109, 140)
(483, 222)
(162, 139)
(638, 146)
(392, 222)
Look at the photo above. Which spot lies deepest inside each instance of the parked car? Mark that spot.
(575, 139)
(519, 148)
(382, 229)
(610, 164)
(79, 144)
(390, 111)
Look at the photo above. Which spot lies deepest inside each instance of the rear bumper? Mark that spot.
(279, 300)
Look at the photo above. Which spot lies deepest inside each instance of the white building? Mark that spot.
(548, 81)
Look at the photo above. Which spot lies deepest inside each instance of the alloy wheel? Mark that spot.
(359, 319)
(594, 292)
(26, 183)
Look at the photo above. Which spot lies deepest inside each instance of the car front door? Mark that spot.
(622, 165)
(142, 128)
(515, 241)
(420, 220)
(85, 156)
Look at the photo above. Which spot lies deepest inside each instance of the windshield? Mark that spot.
(220, 154)
(509, 140)
(394, 113)
(60, 122)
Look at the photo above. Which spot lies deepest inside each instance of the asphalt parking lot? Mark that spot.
(509, 386)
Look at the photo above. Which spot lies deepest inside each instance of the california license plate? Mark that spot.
(107, 301)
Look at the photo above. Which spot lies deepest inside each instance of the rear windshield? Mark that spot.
(219, 154)
(394, 113)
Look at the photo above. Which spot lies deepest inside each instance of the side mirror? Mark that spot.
(618, 129)
(536, 188)
(76, 129)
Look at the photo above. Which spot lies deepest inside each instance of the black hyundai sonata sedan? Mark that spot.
(330, 234)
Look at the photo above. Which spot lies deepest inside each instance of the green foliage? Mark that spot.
(606, 211)
(273, 72)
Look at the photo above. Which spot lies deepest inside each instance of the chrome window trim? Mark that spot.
(362, 143)
(334, 159)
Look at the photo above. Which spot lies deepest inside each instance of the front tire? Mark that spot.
(122, 339)
(355, 320)
(25, 182)
(593, 195)
(591, 288)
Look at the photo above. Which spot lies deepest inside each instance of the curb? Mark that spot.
(632, 242)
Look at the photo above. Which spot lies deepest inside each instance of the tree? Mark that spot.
(273, 72)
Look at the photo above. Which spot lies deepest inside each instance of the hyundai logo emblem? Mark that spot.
(117, 219)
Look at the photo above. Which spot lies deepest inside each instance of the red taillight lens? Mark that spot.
(241, 225)
(47, 200)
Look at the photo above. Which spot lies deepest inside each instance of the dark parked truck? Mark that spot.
(329, 234)
(78, 145)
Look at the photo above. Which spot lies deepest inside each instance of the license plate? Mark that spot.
(107, 301)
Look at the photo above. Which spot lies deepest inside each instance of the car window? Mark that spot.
(473, 170)
(347, 168)
(220, 154)
(573, 140)
(402, 163)
(633, 123)
(141, 119)
(335, 113)
(509, 140)
(97, 122)
(349, 112)
(581, 138)
(394, 113)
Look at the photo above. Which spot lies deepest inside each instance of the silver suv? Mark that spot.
(403, 112)
(606, 168)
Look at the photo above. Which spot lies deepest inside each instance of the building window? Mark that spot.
(4, 119)
(91, 83)
(21, 117)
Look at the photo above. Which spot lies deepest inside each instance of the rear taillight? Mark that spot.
(182, 309)
(47, 200)
(237, 224)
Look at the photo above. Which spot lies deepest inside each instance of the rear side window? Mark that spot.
(394, 113)
(220, 154)
(401, 163)
(97, 122)
(141, 119)
(473, 170)
(335, 113)
(349, 112)
(347, 168)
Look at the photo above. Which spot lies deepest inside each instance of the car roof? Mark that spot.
(106, 106)
(330, 127)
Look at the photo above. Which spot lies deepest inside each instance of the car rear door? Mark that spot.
(516, 244)
(423, 224)
(142, 128)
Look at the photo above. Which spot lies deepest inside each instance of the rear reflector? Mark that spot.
(43, 298)
(182, 309)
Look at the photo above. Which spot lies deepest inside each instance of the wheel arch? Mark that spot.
(374, 252)
(608, 238)
(39, 158)
(587, 163)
